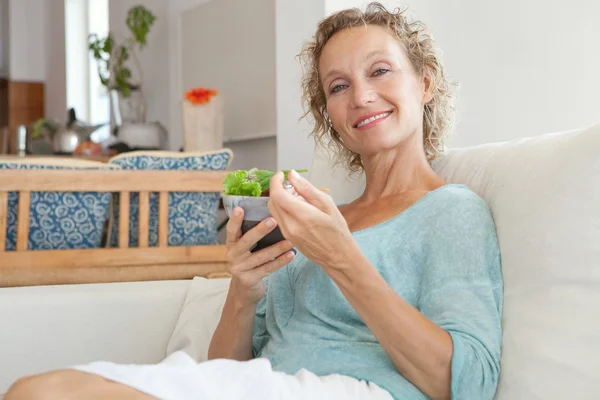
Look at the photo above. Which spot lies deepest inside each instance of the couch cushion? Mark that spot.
(51, 327)
(199, 317)
(544, 193)
(59, 220)
(192, 216)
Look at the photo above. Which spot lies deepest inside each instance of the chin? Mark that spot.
(378, 142)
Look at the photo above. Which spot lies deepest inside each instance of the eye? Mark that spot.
(380, 71)
(337, 88)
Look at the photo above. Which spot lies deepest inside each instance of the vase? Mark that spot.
(203, 125)
(130, 109)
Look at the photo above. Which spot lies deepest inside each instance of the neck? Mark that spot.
(399, 171)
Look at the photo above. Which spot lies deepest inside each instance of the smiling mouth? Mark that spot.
(372, 119)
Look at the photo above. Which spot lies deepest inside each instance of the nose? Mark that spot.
(362, 94)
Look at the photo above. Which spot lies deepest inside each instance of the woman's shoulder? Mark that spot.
(458, 205)
(460, 197)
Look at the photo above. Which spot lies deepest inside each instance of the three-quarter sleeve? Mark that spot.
(461, 291)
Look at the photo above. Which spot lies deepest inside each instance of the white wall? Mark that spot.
(154, 58)
(258, 153)
(243, 70)
(295, 22)
(229, 45)
(56, 83)
(4, 41)
(524, 67)
(27, 48)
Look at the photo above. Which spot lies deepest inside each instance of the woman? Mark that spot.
(396, 294)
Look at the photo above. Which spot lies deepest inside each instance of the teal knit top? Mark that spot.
(441, 255)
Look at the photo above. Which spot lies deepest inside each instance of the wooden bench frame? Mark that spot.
(24, 267)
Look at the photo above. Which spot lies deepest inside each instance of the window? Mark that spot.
(85, 93)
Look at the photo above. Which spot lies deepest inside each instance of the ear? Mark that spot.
(427, 86)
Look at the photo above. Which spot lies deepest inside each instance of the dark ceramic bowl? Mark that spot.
(255, 211)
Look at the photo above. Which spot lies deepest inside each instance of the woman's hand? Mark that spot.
(248, 269)
(312, 222)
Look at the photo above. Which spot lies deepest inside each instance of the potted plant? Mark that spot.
(112, 59)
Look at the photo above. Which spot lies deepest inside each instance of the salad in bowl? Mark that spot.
(249, 189)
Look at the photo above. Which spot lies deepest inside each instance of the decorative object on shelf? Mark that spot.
(64, 138)
(89, 149)
(202, 112)
(144, 136)
(113, 71)
(128, 103)
(21, 140)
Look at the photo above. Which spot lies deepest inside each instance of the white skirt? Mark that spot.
(179, 377)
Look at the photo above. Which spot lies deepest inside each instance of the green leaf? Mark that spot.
(139, 21)
(265, 177)
(239, 184)
(124, 55)
(108, 44)
(250, 183)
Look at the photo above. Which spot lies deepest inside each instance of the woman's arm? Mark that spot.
(420, 350)
(233, 337)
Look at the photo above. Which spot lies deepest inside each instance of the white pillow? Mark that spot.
(544, 193)
(199, 317)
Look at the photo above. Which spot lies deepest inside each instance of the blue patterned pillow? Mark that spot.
(192, 216)
(59, 220)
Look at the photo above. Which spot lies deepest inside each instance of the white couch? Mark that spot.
(545, 196)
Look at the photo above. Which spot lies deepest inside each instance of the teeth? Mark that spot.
(373, 118)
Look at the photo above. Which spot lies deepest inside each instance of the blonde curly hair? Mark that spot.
(421, 50)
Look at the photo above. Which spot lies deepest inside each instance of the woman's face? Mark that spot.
(374, 97)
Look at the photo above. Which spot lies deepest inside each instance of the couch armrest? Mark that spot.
(52, 327)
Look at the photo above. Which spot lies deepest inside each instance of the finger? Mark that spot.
(272, 266)
(262, 257)
(250, 238)
(283, 198)
(276, 184)
(310, 193)
(234, 226)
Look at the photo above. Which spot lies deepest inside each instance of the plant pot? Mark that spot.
(147, 135)
(255, 211)
(130, 109)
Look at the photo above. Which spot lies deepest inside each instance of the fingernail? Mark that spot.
(295, 174)
(295, 251)
(291, 255)
(270, 223)
(237, 212)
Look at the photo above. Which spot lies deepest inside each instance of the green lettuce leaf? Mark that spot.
(238, 184)
(250, 183)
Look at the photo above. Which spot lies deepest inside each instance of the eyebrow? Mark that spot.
(372, 54)
(377, 53)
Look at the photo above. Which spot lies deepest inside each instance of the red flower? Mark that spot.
(200, 95)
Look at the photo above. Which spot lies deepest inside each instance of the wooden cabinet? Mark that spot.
(21, 103)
